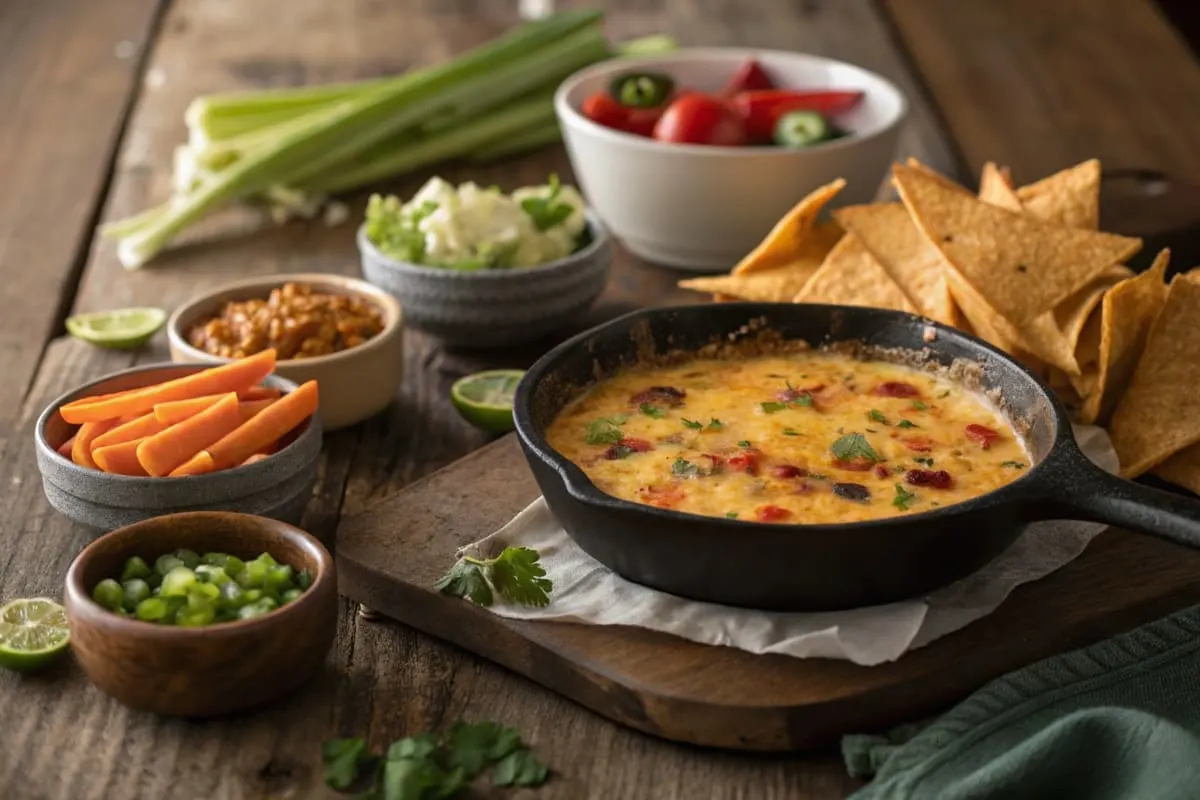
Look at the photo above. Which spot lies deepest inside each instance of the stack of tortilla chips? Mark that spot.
(1026, 269)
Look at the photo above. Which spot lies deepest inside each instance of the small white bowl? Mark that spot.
(355, 384)
(702, 208)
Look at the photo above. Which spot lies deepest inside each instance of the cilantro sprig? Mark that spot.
(516, 575)
(651, 410)
(605, 430)
(548, 211)
(428, 766)
(852, 446)
(903, 498)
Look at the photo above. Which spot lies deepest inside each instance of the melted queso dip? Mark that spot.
(801, 438)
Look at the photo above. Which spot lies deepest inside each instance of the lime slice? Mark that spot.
(485, 399)
(33, 632)
(123, 329)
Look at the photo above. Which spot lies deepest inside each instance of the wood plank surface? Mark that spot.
(68, 70)
(382, 680)
(721, 696)
(1040, 85)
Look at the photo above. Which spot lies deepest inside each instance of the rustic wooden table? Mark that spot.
(93, 95)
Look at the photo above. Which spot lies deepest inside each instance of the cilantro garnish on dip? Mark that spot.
(469, 227)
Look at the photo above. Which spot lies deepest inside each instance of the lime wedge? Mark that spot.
(485, 399)
(123, 329)
(33, 632)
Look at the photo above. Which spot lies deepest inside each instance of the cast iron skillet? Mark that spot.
(822, 567)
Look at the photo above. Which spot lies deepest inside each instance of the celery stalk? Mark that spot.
(514, 118)
(381, 111)
(522, 142)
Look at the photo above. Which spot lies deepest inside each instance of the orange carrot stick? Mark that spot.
(136, 428)
(164, 451)
(120, 459)
(64, 449)
(266, 427)
(232, 377)
(179, 410)
(85, 437)
(259, 393)
(249, 408)
(197, 465)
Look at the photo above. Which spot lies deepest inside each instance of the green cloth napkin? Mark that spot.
(1119, 720)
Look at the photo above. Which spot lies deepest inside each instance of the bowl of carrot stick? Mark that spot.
(165, 438)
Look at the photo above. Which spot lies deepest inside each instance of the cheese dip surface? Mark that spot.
(811, 437)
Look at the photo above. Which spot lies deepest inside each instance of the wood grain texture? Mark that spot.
(1041, 85)
(381, 680)
(68, 69)
(721, 696)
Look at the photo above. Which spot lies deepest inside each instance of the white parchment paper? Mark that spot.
(587, 592)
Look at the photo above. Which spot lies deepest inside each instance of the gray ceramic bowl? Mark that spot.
(278, 487)
(494, 308)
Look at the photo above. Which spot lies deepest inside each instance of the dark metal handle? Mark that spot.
(1078, 489)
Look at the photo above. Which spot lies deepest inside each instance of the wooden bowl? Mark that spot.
(355, 384)
(214, 670)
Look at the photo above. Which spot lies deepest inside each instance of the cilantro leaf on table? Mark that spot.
(466, 579)
(852, 446)
(346, 762)
(548, 211)
(474, 746)
(515, 574)
(520, 768)
(427, 766)
(519, 577)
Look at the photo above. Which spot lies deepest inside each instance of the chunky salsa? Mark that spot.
(814, 437)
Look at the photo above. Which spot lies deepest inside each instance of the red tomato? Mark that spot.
(697, 118)
(637, 445)
(882, 472)
(788, 471)
(895, 389)
(982, 435)
(750, 76)
(602, 109)
(745, 461)
(771, 513)
(667, 496)
(918, 444)
(934, 479)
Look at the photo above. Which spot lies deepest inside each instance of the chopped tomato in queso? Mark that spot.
(805, 438)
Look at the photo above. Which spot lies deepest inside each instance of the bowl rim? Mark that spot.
(44, 447)
(600, 239)
(393, 315)
(570, 116)
(74, 591)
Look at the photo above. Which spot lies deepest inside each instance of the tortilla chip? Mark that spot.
(888, 232)
(1069, 199)
(1182, 469)
(771, 286)
(850, 276)
(995, 188)
(1159, 415)
(796, 226)
(930, 172)
(1020, 266)
(1126, 317)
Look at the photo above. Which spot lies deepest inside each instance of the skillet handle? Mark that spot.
(1078, 489)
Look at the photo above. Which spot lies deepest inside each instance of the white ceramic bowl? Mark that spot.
(702, 208)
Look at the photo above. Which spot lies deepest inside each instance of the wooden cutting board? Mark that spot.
(389, 556)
